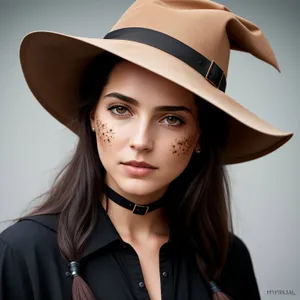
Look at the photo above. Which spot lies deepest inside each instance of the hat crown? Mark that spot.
(208, 27)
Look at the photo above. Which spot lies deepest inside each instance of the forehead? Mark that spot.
(147, 87)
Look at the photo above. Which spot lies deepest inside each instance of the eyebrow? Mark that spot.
(136, 103)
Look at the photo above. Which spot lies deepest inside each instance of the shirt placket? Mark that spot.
(166, 272)
(135, 273)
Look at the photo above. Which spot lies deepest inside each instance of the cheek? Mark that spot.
(182, 147)
(105, 134)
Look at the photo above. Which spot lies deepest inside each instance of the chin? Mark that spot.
(138, 186)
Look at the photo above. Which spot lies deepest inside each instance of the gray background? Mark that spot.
(34, 146)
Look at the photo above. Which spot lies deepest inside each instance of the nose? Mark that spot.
(141, 139)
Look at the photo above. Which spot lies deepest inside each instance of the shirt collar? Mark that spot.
(103, 234)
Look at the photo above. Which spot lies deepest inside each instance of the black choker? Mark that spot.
(135, 208)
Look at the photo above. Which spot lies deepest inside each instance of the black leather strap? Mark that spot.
(208, 69)
(135, 208)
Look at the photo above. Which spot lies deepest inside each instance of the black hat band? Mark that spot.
(208, 69)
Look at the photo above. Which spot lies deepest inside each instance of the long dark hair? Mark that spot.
(200, 195)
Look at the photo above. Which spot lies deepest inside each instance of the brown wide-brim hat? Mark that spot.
(187, 42)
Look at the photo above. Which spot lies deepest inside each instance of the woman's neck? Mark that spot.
(137, 227)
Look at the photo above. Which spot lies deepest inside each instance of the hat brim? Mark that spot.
(52, 63)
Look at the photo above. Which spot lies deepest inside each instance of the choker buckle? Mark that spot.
(140, 209)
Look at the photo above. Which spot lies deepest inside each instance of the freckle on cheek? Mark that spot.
(105, 134)
(182, 146)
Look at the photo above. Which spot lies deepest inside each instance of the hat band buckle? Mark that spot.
(209, 74)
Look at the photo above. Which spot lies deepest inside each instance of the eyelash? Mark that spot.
(113, 106)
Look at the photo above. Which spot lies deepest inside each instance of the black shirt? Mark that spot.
(32, 267)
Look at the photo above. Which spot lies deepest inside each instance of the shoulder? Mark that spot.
(238, 276)
(238, 248)
(35, 231)
(31, 261)
(238, 257)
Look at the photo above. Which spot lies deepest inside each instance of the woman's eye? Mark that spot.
(173, 118)
(119, 111)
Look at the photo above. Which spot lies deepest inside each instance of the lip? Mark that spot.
(137, 171)
(139, 164)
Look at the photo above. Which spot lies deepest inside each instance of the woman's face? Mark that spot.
(157, 124)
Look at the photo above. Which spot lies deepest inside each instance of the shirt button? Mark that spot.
(141, 284)
(124, 246)
(165, 274)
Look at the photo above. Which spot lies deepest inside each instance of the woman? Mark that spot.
(142, 210)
